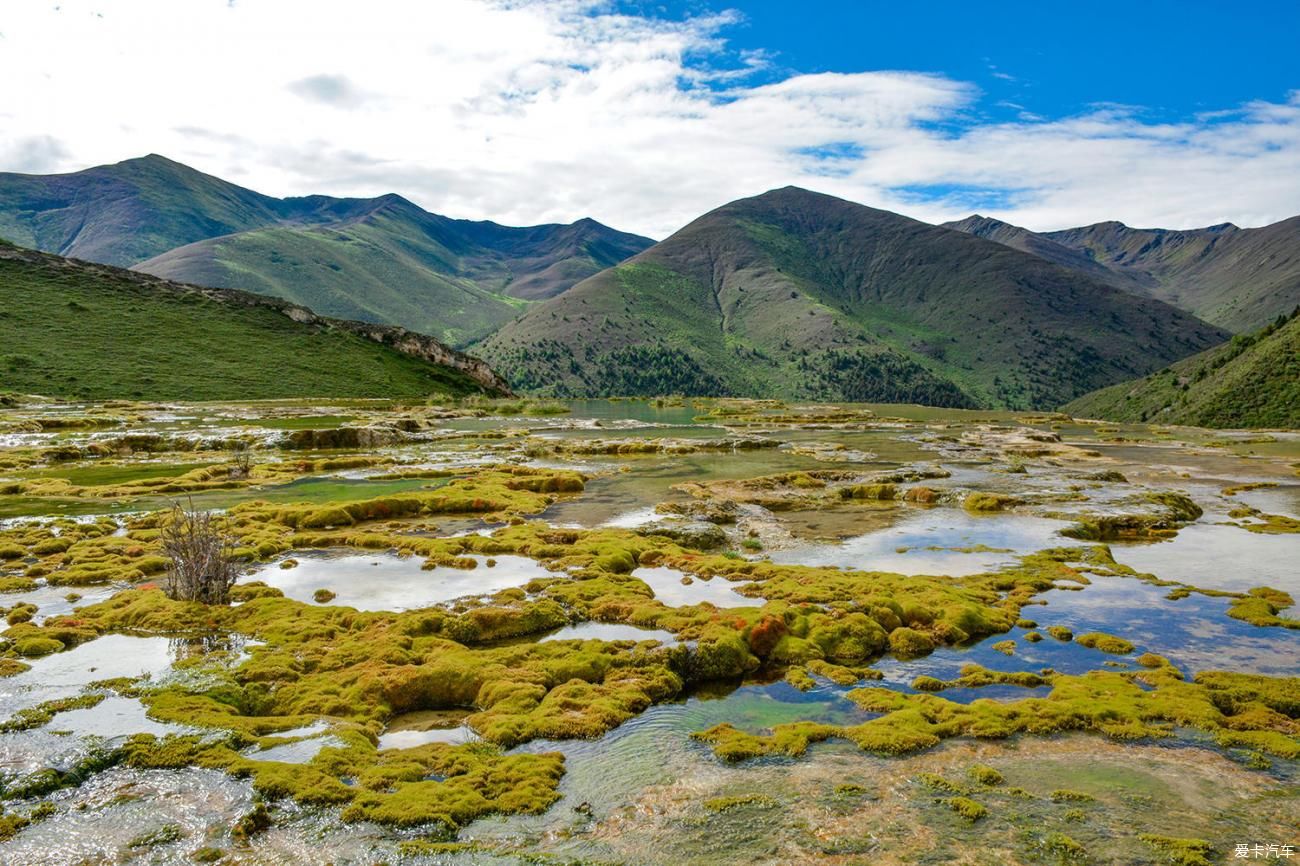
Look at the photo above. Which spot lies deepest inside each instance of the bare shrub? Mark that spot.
(241, 456)
(203, 563)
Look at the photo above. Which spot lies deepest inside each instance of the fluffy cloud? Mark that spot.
(528, 112)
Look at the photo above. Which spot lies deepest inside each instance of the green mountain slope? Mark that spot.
(803, 295)
(381, 260)
(1252, 381)
(124, 213)
(75, 329)
(1045, 248)
(1236, 278)
(1239, 279)
(390, 261)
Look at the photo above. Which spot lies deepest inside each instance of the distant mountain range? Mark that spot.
(1239, 279)
(74, 329)
(788, 294)
(798, 294)
(1251, 381)
(380, 260)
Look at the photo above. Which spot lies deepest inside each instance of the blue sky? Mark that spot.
(1173, 59)
(645, 115)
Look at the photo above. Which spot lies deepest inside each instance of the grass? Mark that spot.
(1252, 381)
(381, 259)
(801, 296)
(74, 330)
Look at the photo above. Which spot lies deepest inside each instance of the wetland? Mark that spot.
(647, 631)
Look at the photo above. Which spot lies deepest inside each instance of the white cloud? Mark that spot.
(334, 90)
(528, 112)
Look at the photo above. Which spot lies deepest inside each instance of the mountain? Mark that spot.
(802, 295)
(75, 329)
(387, 260)
(1236, 278)
(1252, 381)
(125, 213)
(380, 260)
(1045, 248)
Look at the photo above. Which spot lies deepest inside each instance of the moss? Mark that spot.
(908, 643)
(1261, 605)
(1033, 636)
(796, 676)
(1006, 647)
(1105, 702)
(10, 667)
(838, 674)
(988, 502)
(33, 647)
(16, 584)
(11, 823)
(726, 804)
(1105, 642)
(1065, 795)
(1060, 632)
(323, 596)
(967, 808)
(252, 822)
(207, 855)
(870, 491)
(939, 783)
(984, 774)
(1182, 852)
(1065, 848)
(20, 614)
(164, 835)
(793, 740)
(34, 717)
(437, 784)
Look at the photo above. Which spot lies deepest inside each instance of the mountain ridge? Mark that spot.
(1236, 278)
(799, 294)
(457, 279)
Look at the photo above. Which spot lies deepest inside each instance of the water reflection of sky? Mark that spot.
(384, 581)
(944, 528)
(1217, 556)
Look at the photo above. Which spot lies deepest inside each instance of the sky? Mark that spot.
(644, 115)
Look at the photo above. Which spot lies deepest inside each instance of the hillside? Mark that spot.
(803, 295)
(390, 261)
(1045, 248)
(124, 213)
(1253, 381)
(75, 329)
(1239, 279)
(380, 260)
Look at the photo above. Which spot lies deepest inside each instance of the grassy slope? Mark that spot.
(381, 268)
(802, 295)
(125, 213)
(1249, 382)
(399, 264)
(380, 260)
(1239, 279)
(70, 329)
